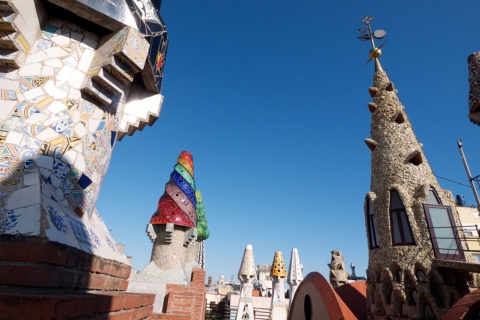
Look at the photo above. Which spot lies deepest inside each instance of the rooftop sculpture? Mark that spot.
(177, 230)
(247, 275)
(416, 263)
(69, 96)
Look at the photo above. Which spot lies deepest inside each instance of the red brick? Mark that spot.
(91, 281)
(46, 306)
(148, 299)
(109, 302)
(37, 275)
(123, 285)
(100, 265)
(112, 283)
(132, 300)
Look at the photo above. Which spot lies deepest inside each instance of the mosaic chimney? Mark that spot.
(278, 275)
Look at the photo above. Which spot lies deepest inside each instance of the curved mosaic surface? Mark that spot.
(178, 203)
(202, 227)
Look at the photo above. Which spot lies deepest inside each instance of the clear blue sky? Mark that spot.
(271, 99)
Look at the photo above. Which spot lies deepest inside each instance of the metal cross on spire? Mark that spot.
(367, 34)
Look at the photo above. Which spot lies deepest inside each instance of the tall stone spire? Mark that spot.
(295, 274)
(247, 275)
(411, 222)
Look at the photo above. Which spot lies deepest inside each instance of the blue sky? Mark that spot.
(271, 99)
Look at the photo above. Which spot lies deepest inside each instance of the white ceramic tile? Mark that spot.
(60, 40)
(29, 32)
(59, 93)
(76, 78)
(56, 52)
(36, 57)
(45, 174)
(32, 69)
(56, 106)
(20, 97)
(55, 63)
(75, 115)
(97, 114)
(6, 107)
(74, 94)
(48, 71)
(49, 87)
(47, 134)
(12, 75)
(36, 118)
(30, 179)
(44, 162)
(70, 156)
(80, 130)
(34, 93)
(30, 14)
(80, 163)
(55, 181)
(28, 221)
(86, 60)
(93, 125)
(24, 197)
(53, 119)
(55, 235)
(64, 73)
(14, 137)
(8, 84)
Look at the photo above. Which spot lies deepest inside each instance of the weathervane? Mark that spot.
(367, 34)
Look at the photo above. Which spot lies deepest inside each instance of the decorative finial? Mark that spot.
(367, 34)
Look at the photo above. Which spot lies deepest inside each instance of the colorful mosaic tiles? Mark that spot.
(474, 81)
(56, 136)
(181, 203)
(151, 25)
(177, 205)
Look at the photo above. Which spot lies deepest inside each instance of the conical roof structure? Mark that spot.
(278, 266)
(411, 222)
(247, 268)
(178, 203)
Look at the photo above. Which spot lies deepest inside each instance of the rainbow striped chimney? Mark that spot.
(178, 203)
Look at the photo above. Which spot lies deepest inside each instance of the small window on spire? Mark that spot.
(416, 159)
(401, 230)
(372, 229)
(400, 119)
(433, 197)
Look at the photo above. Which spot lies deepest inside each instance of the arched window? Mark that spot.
(372, 229)
(401, 230)
(433, 197)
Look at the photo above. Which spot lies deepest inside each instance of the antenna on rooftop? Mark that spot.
(469, 175)
(367, 34)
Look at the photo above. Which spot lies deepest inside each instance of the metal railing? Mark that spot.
(453, 247)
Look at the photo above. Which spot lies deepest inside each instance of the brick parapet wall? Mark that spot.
(117, 306)
(185, 302)
(33, 262)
